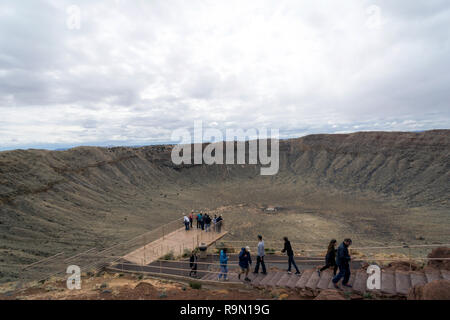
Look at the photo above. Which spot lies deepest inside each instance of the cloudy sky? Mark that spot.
(131, 72)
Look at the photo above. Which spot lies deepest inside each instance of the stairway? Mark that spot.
(393, 283)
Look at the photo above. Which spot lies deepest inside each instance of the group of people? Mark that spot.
(203, 221)
(245, 259)
(339, 258)
(335, 258)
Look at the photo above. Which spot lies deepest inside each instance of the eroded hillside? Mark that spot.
(52, 201)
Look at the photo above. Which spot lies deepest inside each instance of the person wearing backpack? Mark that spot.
(245, 260)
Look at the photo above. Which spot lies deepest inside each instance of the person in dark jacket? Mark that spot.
(245, 260)
(343, 262)
(193, 264)
(290, 253)
(207, 220)
(330, 258)
(219, 224)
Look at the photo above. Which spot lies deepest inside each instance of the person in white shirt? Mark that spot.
(186, 222)
(260, 256)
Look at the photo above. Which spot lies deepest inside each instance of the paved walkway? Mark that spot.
(176, 242)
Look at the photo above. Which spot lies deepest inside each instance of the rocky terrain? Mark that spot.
(380, 185)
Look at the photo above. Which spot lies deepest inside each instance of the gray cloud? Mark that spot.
(134, 73)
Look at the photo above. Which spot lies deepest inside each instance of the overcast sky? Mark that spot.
(131, 72)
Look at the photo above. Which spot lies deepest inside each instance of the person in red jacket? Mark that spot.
(191, 218)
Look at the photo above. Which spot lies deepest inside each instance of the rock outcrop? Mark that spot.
(435, 290)
(443, 252)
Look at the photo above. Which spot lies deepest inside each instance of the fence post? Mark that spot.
(409, 254)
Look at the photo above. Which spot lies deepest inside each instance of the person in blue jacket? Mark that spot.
(343, 262)
(223, 264)
(245, 260)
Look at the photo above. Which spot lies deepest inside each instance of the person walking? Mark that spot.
(343, 262)
(214, 221)
(245, 260)
(191, 218)
(197, 219)
(202, 222)
(260, 256)
(207, 219)
(223, 264)
(290, 253)
(219, 224)
(186, 222)
(193, 264)
(330, 258)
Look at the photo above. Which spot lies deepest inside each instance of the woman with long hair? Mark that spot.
(330, 258)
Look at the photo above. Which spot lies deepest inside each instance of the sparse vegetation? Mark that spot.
(186, 253)
(168, 256)
(367, 295)
(195, 285)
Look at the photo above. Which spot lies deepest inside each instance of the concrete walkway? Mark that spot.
(393, 283)
(176, 242)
